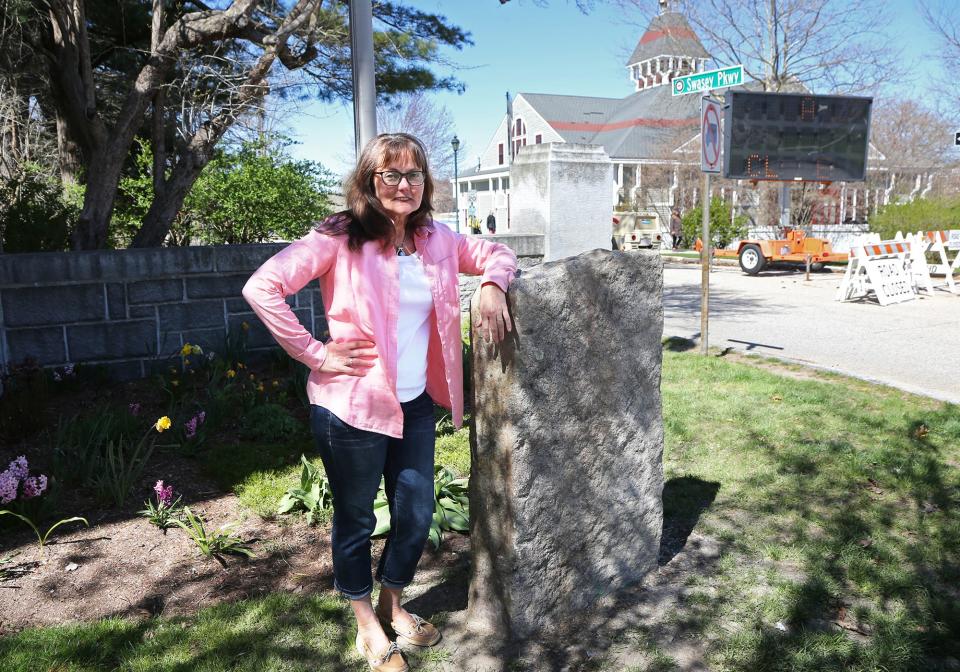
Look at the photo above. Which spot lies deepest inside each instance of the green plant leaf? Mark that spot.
(382, 513)
(435, 536)
(63, 522)
(287, 504)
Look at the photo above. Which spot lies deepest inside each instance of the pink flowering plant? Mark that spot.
(166, 511)
(194, 434)
(17, 486)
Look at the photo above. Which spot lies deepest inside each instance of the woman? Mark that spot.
(388, 276)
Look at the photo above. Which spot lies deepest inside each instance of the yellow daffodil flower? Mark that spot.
(163, 424)
(245, 326)
(231, 373)
(260, 387)
(196, 350)
(276, 383)
(186, 350)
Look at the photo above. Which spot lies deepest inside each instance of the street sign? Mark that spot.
(701, 82)
(710, 111)
(956, 139)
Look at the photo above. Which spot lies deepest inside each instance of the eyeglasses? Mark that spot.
(392, 178)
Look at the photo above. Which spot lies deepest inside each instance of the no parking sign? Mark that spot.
(710, 135)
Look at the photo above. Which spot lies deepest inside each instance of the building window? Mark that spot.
(500, 153)
(538, 139)
(519, 139)
(504, 182)
(464, 187)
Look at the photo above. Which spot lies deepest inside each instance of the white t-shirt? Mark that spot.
(413, 328)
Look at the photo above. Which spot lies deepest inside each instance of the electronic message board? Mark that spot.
(785, 136)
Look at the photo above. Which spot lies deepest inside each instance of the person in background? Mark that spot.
(388, 276)
(676, 227)
(491, 224)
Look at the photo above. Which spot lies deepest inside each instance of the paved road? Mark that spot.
(914, 345)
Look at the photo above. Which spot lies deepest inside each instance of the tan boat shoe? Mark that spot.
(420, 633)
(390, 660)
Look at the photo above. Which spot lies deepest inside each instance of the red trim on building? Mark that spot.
(629, 123)
(677, 32)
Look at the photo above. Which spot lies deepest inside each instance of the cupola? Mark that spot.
(668, 49)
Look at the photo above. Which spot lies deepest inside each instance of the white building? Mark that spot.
(646, 127)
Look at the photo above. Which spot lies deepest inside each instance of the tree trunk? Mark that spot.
(69, 152)
(159, 104)
(165, 206)
(102, 179)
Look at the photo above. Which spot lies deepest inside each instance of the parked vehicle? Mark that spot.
(756, 255)
(636, 230)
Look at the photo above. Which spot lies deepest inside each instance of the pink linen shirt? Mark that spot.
(361, 296)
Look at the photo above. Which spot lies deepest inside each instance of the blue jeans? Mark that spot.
(355, 460)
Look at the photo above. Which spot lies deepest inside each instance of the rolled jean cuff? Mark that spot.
(353, 595)
(393, 585)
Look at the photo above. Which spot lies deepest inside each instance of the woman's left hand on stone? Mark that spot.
(494, 322)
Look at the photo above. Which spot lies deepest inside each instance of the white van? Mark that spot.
(636, 230)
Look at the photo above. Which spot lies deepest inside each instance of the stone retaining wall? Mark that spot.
(130, 310)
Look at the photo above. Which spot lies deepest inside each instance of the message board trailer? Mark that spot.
(793, 137)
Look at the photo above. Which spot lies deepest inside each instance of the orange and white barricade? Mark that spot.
(881, 268)
(916, 261)
(936, 243)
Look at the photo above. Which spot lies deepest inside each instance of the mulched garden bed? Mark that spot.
(121, 565)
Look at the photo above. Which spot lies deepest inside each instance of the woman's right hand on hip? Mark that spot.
(353, 358)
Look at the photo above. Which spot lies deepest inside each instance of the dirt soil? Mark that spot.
(127, 567)
(124, 566)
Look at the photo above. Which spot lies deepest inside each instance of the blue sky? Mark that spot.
(525, 47)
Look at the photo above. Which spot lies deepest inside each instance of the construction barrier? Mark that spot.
(881, 268)
(936, 244)
(916, 261)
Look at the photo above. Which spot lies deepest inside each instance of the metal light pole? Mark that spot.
(364, 86)
(455, 143)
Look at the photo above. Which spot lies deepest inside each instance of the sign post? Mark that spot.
(710, 141)
(709, 163)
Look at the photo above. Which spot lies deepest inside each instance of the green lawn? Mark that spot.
(833, 504)
(836, 503)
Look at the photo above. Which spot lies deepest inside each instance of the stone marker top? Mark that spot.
(562, 152)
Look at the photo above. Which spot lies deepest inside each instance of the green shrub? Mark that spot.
(271, 423)
(36, 213)
(253, 193)
(918, 215)
(724, 228)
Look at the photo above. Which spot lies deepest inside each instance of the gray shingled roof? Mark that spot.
(642, 125)
(471, 171)
(669, 34)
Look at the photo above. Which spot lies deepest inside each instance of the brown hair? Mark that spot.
(365, 218)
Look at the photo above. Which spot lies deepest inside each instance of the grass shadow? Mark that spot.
(685, 498)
